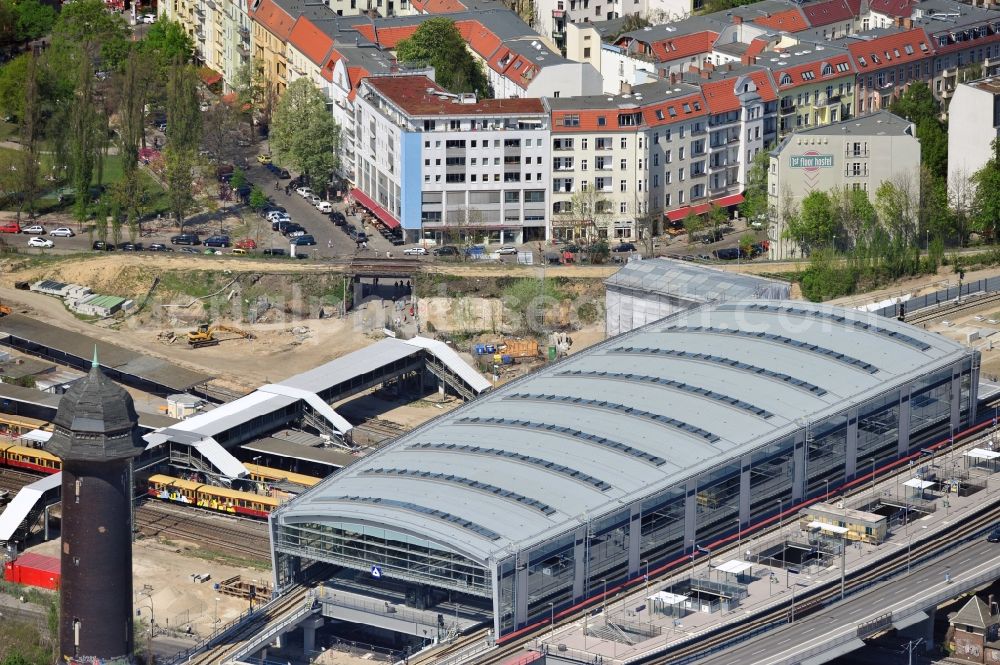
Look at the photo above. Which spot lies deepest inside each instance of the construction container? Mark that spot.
(480, 349)
(520, 348)
(33, 569)
(507, 359)
(552, 353)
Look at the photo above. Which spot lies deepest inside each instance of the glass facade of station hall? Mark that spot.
(662, 526)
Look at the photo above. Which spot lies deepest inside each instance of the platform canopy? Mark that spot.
(918, 484)
(830, 528)
(667, 598)
(36, 435)
(735, 567)
(979, 453)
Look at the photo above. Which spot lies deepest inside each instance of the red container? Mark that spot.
(33, 570)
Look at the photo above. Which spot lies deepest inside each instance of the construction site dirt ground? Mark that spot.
(179, 602)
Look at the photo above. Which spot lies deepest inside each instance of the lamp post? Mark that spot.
(645, 562)
(604, 598)
(147, 591)
(873, 479)
(552, 618)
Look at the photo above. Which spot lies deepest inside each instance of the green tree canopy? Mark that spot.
(815, 225)
(304, 134)
(437, 42)
(986, 201)
(13, 83)
(917, 104)
(183, 107)
(34, 19)
(87, 24)
(755, 197)
(167, 42)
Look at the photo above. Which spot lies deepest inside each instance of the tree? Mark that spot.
(34, 19)
(87, 25)
(30, 138)
(438, 43)
(14, 82)
(239, 179)
(304, 134)
(179, 176)
(589, 209)
(693, 224)
(83, 140)
(917, 104)
(717, 216)
(135, 88)
(183, 107)
(221, 133)
(254, 92)
(986, 200)
(755, 204)
(167, 42)
(815, 224)
(258, 199)
(894, 205)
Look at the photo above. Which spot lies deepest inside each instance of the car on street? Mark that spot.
(189, 250)
(34, 229)
(277, 214)
(324, 206)
(217, 241)
(149, 18)
(274, 251)
(272, 208)
(278, 171)
(446, 250)
(304, 239)
(62, 232)
(10, 226)
(712, 236)
(239, 251)
(304, 192)
(35, 241)
(264, 158)
(994, 535)
(103, 246)
(131, 247)
(158, 247)
(507, 249)
(727, 254)
(185, 239)
(294, 231)
(625, 247)
(338, 218)
(415, 251)
(246, 243)
(313, 199)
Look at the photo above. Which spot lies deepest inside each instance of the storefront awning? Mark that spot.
(375, 208)
(209, 76)
(724, 202)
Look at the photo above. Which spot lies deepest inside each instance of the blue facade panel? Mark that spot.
(410, 181)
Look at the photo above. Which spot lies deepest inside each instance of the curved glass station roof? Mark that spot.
(636, 413)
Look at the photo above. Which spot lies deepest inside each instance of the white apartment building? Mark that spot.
(859, 154)
(973, 125)
(450, 168)
(553, 16)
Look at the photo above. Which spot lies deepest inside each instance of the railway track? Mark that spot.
(245, 538)
(231, 640)
(12, 481)
(941, 313)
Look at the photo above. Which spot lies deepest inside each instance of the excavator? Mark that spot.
(208, 335)
(4, 309)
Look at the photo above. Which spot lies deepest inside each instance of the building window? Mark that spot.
(601, 121)
(623, 185)
(623, 207)
(571, 121)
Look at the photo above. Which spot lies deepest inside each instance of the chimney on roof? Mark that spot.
(908, 23)
(673, 78)
(706, 73)
(626, 88)
(693, 69)
(709, 67)
(729, 66)
(748, 59)
(737, 20)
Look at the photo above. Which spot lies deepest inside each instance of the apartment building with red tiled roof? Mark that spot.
(887, 63)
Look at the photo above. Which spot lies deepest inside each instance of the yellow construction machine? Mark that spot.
(208, 335)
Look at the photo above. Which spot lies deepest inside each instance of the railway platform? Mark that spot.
(629, 628)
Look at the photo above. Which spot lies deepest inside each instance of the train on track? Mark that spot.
(29, 459)
(266, 474)
(15, 426)
(220, 499)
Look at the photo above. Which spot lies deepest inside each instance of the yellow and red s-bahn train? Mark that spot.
(221, 499)
(29, 459)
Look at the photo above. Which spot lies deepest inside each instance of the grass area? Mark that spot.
(8, 131)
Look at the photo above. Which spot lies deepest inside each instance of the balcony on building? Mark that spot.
(786, 109)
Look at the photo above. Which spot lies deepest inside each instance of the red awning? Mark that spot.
(209, 76)
(724, 202)
(375, 208)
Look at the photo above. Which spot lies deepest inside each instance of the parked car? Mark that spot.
(728, 254)
(295, 231)
(188, 250)
(304, 192)
(149, 18)
(277, 216)
(62, 232)
(274, 251)
(35, 241)
(338, 218)
(282, 224)
(239, 251)
(446, 250)
(185, 239)
(102, 246)
(324, 206)
(34, 229)
(10, 227)
(224, 172)
(360, 237)
(217, 241)
(304, 239)
(507, 249)
(264, 158)
(712, 236)
(246, 243)
(131, 247)
(350, 229)
(994, 535)
(158, 247)
(273, 209)
(625, 247)
(415, 251)
(313, 199)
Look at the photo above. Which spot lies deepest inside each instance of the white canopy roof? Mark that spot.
(39, 435)
(832, 528)
(667, 598)
(979, 453)
(916, 483)
(735, 567)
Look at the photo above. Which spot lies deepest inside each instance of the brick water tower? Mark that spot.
(96, 436)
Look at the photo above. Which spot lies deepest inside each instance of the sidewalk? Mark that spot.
(771, 586)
